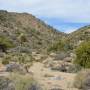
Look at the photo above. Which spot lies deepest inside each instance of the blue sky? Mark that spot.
(64, 15)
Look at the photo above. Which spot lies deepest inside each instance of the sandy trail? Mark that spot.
(53, 79)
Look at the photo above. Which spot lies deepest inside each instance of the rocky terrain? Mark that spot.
(25, 29)
(35, 56)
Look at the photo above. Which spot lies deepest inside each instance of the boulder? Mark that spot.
(6, 84)
(14, 67)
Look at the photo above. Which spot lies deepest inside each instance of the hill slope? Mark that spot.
(72, 40)
(26, 31)
(80, 35)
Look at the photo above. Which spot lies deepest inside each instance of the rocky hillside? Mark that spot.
(26, 31)
(81, 35)
(72, 40)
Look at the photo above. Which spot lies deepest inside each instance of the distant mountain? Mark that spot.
(26, 31)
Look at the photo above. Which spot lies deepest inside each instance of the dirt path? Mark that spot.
(4, 74)
(52, 79)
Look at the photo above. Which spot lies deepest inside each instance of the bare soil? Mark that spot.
(50, 79)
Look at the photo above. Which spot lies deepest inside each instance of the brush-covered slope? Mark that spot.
(72, 40)
(81, 35)
(26, 31)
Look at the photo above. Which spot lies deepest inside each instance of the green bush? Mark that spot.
(5, 62)
(61, 45)
(3, 17)
(6, 59)
(22, 38)
(22, 58)
(6, 42)
(83, 55)
(58, 46)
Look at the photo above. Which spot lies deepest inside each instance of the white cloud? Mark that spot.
(69, 10)
(66, 29)
(69, 30)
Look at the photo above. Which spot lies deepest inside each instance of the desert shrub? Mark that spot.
(83, 55)
(2, 15)
(6, 42)
(18, 82)
(20, 49)
(56, 46)
(13, 67)
(82, 80)
(5, 62)
(6, 59)
(74, 68)
(22, 58)
(61, 45)
(22, 38)
(6, 84)
(24, 82)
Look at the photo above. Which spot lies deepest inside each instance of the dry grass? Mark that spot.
(82, 80)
